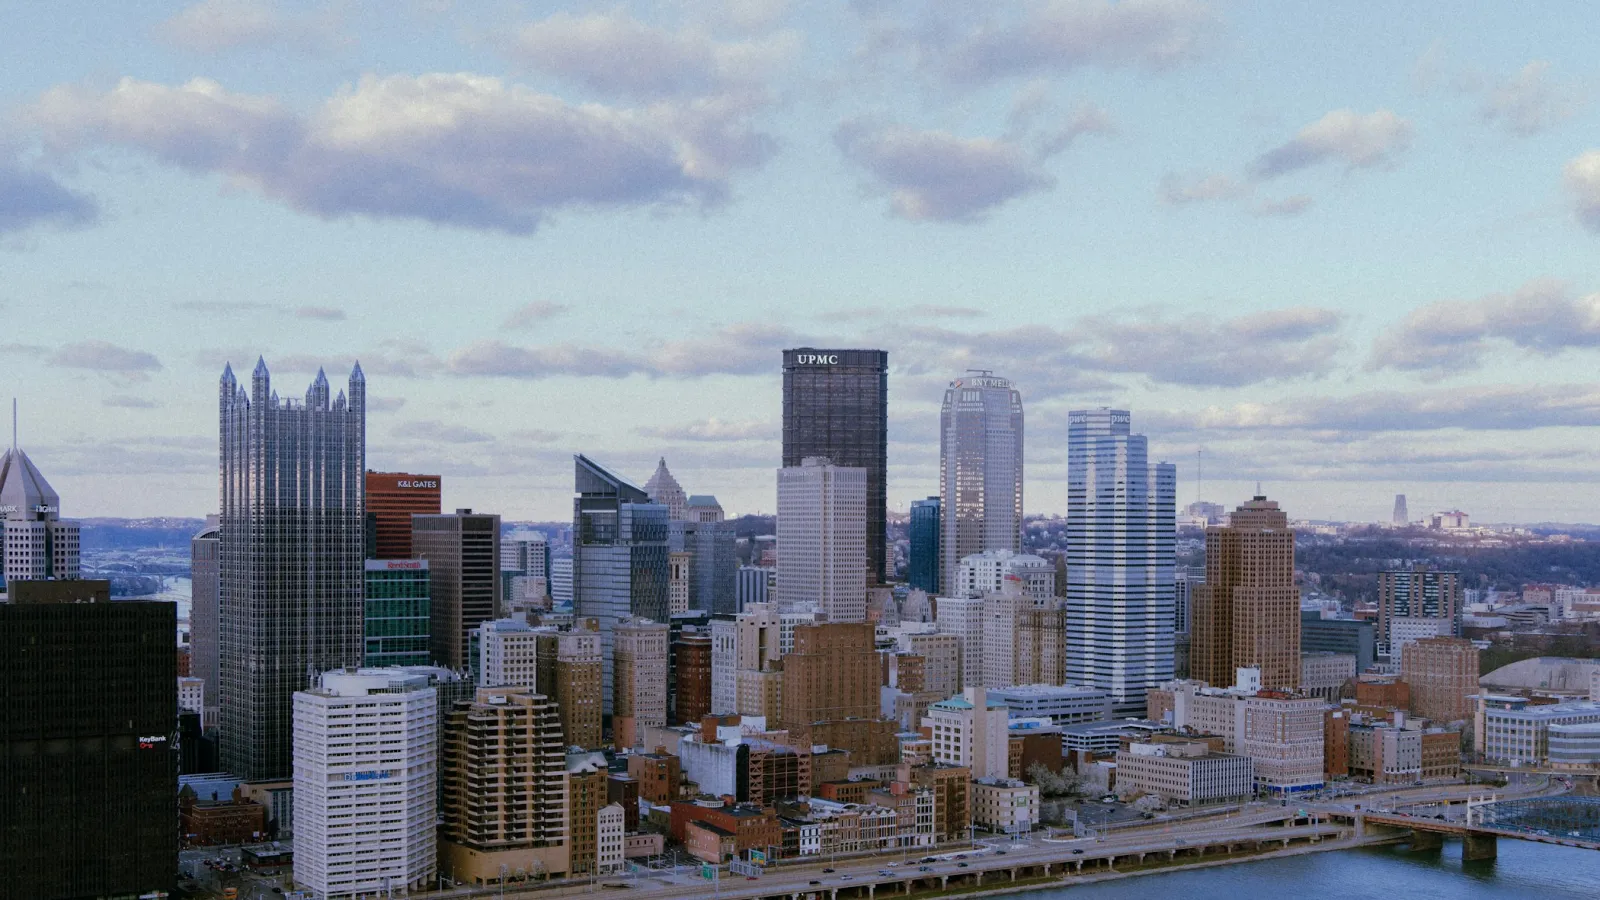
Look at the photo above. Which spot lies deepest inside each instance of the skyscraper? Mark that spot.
(619, 555)
(822, 515)
(205, 628)
(664, 489)
(35, 543)
(89, 782)
(366, 776)
(1402, 518)
(639, 679)
(463, 554)
(1247, 612)
(980, 469)
(392, 499)
(1417, 594)
(398, 612)
(292, 548)
(1120, 532)
(922, 566)
(836, 404)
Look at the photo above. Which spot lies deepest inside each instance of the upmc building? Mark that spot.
(836, 404)
(392, 499)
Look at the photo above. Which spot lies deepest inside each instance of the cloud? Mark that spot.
(430, 430)
(1583, 181)
(29, 198)
(100, 356)
(320, 313)
(1285, 207)
(1543, 316)
(947, 312)
(713, 429)
(1358, 140)
(1087, 118)
(122, 401)
(212, 26)
(1179, 190)
(1478, 408)
(617, 54)
(529, 313)
(452, 149)
(384, 404)
(738, 349)
(1055, 36)
(935, 176)
(1300, 342)
(1528, 102)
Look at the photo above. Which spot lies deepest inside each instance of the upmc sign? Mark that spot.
(817, 359)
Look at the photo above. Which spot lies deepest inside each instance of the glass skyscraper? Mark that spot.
(292, 560)
(398, 613)
(980, 470)
(1120, 531)
(922, 566)
(619, 556)
(836, 405)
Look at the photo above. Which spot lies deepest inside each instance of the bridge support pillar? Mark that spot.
(944, 882)
(1079, 864)
(1476, 845)
(1425, 840)
(1013, 874)
(871, 890)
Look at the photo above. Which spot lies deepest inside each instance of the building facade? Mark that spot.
(822, 520)
(981, 574)
(205, 614)
(1062, 704)
(36, 544)
(366, 756)
(1353, 636)
(292, 557)
(1443, 675)
(88, 789)
(1417, 594)
(504, 769)
(923, 536)
(1184, 773)
(398, 613)
(620, 556)
(462, 550)
(980, 470)
(1247, 613)
(640, 680)
(836, 405)
(392, 499)
(971, 730)
(1120, 533)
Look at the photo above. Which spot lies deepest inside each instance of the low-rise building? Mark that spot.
(1005, 805)
(1184, 773)
(1512, 731)
(1323, 674)
(1064, 704)
(215, 822)
(1574, 746)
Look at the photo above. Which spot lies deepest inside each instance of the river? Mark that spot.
(1524, 870)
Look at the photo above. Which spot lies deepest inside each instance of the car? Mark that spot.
(885, 873)
(1079, 851)
(813, 882)
(924, 868)
(961, 856)
(999, 853)
(846, 877)
(827, 871)
(961, 865)
(1108, 799)
(751, 878)
(926, 859)
(893, 864)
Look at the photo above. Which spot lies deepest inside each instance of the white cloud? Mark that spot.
(714, 429)
(29, 198)
(529, 313)
(435, 431)
(1583, 181)
(616, 53)
(1529, 102)
(1543, 316)
(212, 26)
(1052, 36)
(1358, 140)
(937, 176)
(1178, 190)
(320, 313)
(452, 149)
(102, 356)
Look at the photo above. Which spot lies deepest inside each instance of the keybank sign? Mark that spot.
(817, 359)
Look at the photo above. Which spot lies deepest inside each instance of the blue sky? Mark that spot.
(1347, 251)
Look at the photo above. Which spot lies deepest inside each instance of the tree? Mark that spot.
(1054, 784)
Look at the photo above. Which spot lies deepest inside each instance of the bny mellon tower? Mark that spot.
(292, 557)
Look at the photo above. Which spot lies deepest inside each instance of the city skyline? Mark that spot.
(1348, 275)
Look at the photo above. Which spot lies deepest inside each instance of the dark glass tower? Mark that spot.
(88, 755)
(922, 569)
(836, 404)
(619, 556)
(292, 557)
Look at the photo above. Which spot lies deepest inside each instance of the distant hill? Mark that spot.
(137, 534)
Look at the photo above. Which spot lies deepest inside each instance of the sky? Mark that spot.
(1346, 251)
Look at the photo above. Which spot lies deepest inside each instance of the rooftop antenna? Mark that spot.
(1199, 478)
(13, 423)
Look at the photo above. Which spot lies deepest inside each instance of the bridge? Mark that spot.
(1565, 820)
